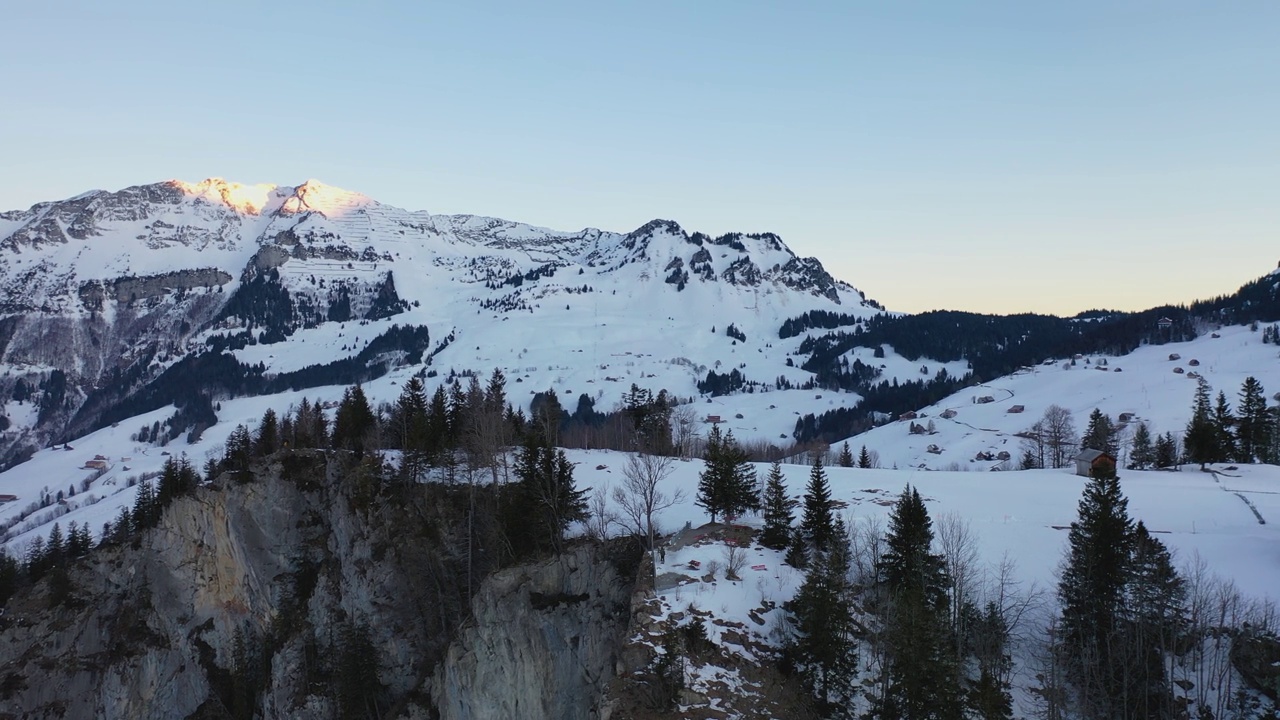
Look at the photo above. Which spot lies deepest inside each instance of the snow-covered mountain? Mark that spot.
(104, 292)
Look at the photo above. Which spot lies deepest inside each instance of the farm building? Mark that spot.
(1089, 461)
(1015, 409)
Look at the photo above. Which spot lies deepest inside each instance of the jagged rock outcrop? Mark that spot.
(287, 568)
(543, 643)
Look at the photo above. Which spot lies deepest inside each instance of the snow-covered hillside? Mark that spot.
(113, 288)
(1145, 385)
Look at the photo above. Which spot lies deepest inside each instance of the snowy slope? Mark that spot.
(1142, 383)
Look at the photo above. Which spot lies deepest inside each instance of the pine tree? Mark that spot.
(146, 511)
(710, 494)
(922, 676)
(1253, 427)
(9, 571)
(1223, 423)
(727, 485)
(410, 422)
(989, 696)
(55, 548)
(797, 555)
(823, 647)
(1157, 622)
(239, 453)
(817, 524)
(548, 500)
(1166, 451)
(1143, 453)
(1201, 438)
(778, 510)
(353, 422)
(1092, 589)
(864, 459)
(267, 440)
(1101, 433)
(846, 457)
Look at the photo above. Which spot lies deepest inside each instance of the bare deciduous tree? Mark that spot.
(1060, 438)
(959, 548)
(640, 499)
(602, 518)
(735, 558)
(684, 429)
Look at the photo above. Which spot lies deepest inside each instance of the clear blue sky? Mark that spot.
(997, 156)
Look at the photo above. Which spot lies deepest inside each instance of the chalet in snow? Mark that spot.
(1089, 461)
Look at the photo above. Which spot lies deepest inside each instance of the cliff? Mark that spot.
(311, 589)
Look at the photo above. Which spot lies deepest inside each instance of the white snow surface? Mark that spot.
(1142, 383)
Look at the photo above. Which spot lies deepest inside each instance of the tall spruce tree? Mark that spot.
(1224, 423)
(817, 524)
(267, 439)
(727, 484)
(353, 422)
(1143, 453)
(824, 647)
(922, 675)
(1157, 623)
(864, 458)
(778, 510)
(1092, 589)
(1166, 451)
(1252, 427)
(1201, 438)
(547, 501)
(410, 426)
(1100, 434)
(846, 456)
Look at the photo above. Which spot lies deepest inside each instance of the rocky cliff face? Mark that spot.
(250, 597)
(543, 643)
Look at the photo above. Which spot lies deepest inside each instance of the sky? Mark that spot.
(994, 156)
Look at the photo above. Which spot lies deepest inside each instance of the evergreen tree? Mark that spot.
(822, 610)
(146, 510)
(1156, 603)
(33, 561)
(989, 697)
(1143, 453)
(1100, 434)
(817, 524)
(846, 457)
(548, 501)
(411, 428)
(177, 478)
(353, 423)
(55, 548)
(1224, 423)
(864, 459)
(797, 555)
(1201, 438)
(1253, 427)
(710, 493)
(778, 510)
(267, 440)
(922, 676)
(727, 485)
(1092, 591)
(9, 573)
(239, 453)
(1166, 451)
(438, 431)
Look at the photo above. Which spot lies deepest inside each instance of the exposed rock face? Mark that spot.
(543, 644)
(291, 561)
